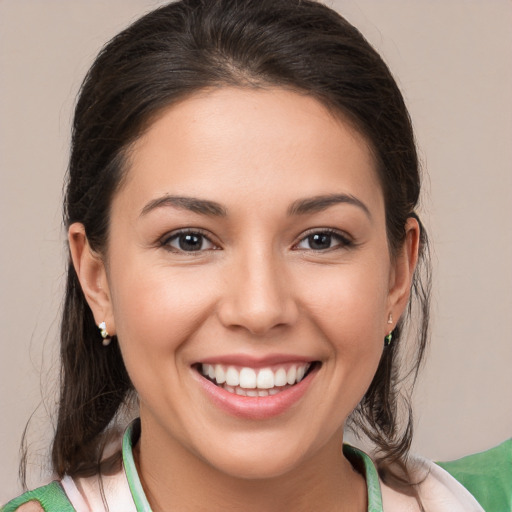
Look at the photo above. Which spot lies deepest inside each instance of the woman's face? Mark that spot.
(248, 243)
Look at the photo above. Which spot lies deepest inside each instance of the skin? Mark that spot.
(258, 288)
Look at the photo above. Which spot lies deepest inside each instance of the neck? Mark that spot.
(173, 478)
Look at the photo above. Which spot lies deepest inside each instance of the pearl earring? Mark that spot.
(104, 333)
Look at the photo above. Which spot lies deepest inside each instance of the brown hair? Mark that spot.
(173, 52)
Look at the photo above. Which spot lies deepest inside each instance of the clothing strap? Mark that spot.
(370, 474)
(51, 497)
(132, 435)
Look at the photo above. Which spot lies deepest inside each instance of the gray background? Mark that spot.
(452, 60)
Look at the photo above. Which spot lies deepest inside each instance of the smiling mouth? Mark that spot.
(252, 382)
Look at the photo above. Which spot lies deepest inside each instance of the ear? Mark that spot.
(91, 272)
(402, 271)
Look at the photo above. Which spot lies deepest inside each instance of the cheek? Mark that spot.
(348, 307)
(156, 318)
(160, 308)
(349, 304)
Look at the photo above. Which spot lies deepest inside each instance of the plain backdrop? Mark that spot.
(451, 59)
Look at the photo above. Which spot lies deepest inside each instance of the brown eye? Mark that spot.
(322, 241)
(189, 241)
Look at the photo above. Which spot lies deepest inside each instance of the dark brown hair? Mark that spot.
(167, 55)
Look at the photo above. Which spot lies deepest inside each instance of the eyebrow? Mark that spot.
(320, 203)
(211, 208)
(193, 204)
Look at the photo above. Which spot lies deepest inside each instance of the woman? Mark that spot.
(243, 243)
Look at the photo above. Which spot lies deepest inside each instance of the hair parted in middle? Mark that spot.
(163, 58)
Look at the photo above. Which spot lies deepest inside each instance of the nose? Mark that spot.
(258, 296)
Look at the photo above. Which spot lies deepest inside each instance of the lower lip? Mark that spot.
(257, 407)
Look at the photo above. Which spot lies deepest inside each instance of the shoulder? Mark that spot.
(437, 490)
(31, 506)
(49, 498)
(487, 476)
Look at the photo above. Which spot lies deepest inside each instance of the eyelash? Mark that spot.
(343, 240)
(165, 242)
(167, 239)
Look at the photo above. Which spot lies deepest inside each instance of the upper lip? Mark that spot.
(251, 361)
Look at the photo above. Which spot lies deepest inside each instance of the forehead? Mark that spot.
(266, 144)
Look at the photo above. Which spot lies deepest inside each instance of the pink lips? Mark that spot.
(257, 407)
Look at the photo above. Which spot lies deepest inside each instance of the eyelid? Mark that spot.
(171, 235)
(345, 239)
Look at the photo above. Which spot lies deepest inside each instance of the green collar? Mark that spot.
(370, 475)
(132, 435)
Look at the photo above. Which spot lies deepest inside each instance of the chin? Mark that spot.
(266, 466)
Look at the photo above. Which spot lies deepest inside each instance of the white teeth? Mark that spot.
(265, 378)
(248, 381)
(220, 375)
(280, 377)
(232, 377)
(291, 375)
(247, 378)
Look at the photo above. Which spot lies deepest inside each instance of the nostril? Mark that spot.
(258, 306)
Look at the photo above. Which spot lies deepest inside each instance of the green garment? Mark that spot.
(51, 497)
(487, 476)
